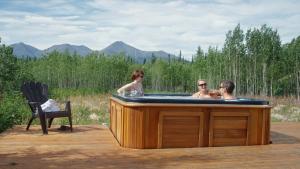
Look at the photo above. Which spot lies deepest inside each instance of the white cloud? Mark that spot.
(148, 25)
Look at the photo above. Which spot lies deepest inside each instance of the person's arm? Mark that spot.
(195, 95)
(215, 94)
(124, 88)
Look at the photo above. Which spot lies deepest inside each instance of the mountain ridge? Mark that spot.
(137, 54)
(24, 50)
(78, 49)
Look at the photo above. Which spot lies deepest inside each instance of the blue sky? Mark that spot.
(147, 24)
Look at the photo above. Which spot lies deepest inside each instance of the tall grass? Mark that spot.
(93, 108)
(283, 108)
(88, 109)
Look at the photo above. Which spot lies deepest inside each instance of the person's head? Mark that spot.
(227, 86)
(202, 85)
(137, 75)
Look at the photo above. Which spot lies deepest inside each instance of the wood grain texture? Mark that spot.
(95, 147)
(229, 128)
(158, 126)
(180, 129)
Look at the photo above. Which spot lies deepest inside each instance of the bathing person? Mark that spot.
(134, 88)
(202, 90)
(226, 89)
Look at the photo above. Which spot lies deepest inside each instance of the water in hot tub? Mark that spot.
(185, 97)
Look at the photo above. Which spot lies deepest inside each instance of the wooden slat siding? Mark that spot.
(160, 128)
(152, 137)
(180, 129)
(127, 132)
(224, 123)
(230, 122)
(150, 128)
(126, 127)
(263, 128)
(136, 127)
(110, 110)
(206, 119)
(113, 118)
(229, 142)
(133, 128)
(119, 121)
(132, 133)
(231, 133)
(140, 128)
(266, 126)
(140, 125)
(249, 129)
(220, 111)
(256, 138)
(268, 122)
(146, 128)
(211, 126)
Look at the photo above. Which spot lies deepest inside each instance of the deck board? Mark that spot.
(95, 147)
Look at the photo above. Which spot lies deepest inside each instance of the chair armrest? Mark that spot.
(34, 103)
(37, 107)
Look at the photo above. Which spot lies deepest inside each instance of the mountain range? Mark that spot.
(24, 50)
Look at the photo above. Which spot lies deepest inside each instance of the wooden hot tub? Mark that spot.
(164, 121)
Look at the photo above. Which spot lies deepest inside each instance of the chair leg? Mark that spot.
(29, 123)
(43, 122)
(50, 122)
(70, 121)
(68, 109)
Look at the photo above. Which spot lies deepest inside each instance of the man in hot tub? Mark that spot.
(226, 89)
(202, 90)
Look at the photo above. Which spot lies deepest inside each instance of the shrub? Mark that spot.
(13, 110)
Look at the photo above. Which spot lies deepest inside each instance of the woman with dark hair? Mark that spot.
(134, 88)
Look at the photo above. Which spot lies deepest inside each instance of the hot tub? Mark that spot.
(180, 121)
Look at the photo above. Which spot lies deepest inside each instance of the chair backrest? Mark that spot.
(35, 92)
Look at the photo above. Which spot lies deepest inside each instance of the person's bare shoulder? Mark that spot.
(195, 95)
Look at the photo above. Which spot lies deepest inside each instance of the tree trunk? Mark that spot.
(298, 84)
(264, 79)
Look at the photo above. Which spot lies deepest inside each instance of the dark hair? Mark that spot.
(228, 85)
(137, 73)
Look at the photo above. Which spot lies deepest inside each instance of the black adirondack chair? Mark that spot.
(36, 94)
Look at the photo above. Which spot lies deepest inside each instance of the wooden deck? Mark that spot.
(94, 147)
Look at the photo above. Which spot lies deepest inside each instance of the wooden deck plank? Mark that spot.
(95, 147)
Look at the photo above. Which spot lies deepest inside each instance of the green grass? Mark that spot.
(287, 112)
(89, 109)
(13, 110)
(94, 108)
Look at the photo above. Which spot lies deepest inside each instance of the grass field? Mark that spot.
(285, 109)
(93, 109)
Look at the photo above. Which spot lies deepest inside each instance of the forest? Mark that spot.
(256, 60)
